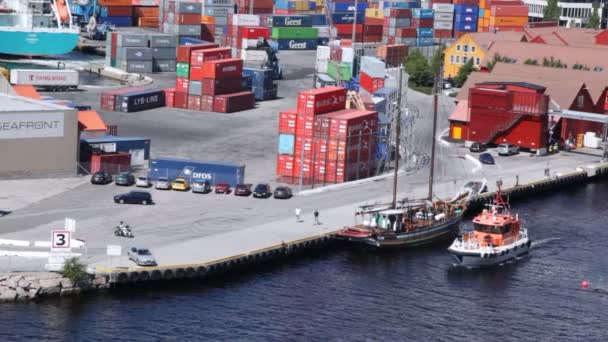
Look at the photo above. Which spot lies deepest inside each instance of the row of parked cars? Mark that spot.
(502, 150)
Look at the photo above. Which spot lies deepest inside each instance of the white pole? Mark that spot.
(355, 22)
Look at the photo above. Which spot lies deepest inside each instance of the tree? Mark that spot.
(594, 20)
(551, 12)
(498, 58)
(74, 270)
(418, 69)
(531, 61)
(463, 73)
(437, 60)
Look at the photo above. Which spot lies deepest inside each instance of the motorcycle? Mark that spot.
(124, 231)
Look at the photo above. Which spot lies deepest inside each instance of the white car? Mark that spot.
(143, 182)
(141, 256)
(507, 149)
(163, 184)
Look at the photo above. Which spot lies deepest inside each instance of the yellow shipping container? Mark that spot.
(487, 14)
(508, 21)
(302, 5)
(374, 13)
(320, 3)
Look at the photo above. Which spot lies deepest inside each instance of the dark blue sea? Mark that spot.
(344, 295)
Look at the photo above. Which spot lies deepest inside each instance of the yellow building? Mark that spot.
(474, 46)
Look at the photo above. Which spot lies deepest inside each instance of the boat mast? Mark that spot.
(397, 136)
(435, 101)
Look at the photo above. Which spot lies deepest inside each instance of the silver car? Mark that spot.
(141, 256)
(163, 184)
(201, 187)
(507, 149)
(143, 182)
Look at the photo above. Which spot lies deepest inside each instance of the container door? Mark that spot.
(137, 157)
(457, 132)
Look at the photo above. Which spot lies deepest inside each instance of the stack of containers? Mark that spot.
(116, 12)
(294, 32)
(207, 28)
(182, 72)
(262, 84)
(319, 21)
(259, 6)
(146, 16)
(508, 17)
(322, 60)
(340, 64)
(219, 10)
(398, 26)
(108, 98)
(323, 142)
(423, 20)
(144, 53)
(244, 31)
(372, 25)
(132, 100)
(465, 19)
(348, 16)
(371, 75)
(163, 48)
(393, 55)
(180, 18)
(444, 20)
(294, 7)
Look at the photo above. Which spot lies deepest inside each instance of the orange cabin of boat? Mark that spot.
(495, 229)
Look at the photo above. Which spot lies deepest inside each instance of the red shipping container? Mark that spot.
(257, 3)
(208, 32)
(320, 148)
(442, 33)
(139, 11)
(196, 73)
(180, 99)
(194, 102)
(371, 84)
(207, 103)
(182, 84)
(233, 102)
(288, 121)
(351, 122)
(120, 11)
(372, 30)
(199, 56)
(219, 86)
(112, 163)
(348, 28)
(222, 68)
(305, 125)
(148, 22)
(169, 97)
(423, 23)
(305, 144)
(406, 32)
(184, 51)
(108, 97)
(302, 167)
(285, 165)
(372, 39)
(321, 125)
(510, 11)
(400, 13)
(187, 19)
(250, 32)
(390, 40)
(322, 100)
(319, 171)
(373, 21)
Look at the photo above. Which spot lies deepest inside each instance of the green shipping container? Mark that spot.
(182, 70)
(295, 33)
(342, 71)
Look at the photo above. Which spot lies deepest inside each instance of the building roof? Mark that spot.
(11, 103)
(461, 112)
(521, 51)
(27, 90)
(562, 36)
(485, 39)
(91, 120)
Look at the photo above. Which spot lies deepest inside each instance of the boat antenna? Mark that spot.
(397, 135)
(436, 87)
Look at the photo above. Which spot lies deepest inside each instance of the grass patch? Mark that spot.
(422, 89)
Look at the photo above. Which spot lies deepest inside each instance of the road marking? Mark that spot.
(478, 166)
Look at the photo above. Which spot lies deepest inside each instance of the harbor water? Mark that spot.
(344, 295)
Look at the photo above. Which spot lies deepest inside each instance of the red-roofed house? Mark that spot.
(91, 125)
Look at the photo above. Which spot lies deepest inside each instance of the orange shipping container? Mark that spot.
(508, 21)
(145, 11)
(482, 4)
(114, 3)
(509, 11)
(207, 19)
(148, 22)
(507, 28)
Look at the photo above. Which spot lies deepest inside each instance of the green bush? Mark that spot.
(74, 270)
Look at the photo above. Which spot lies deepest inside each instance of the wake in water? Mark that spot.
(542, 242)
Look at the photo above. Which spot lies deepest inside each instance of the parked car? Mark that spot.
(180, 184)
(143, 182)
(141, 256)
(242, 190)
(283, 192)
(262, 190)
(162, 184)
(222, 188)
(507, 149)
(201, 187)
(477, 147)
(486, 158)
(125, 179)
(101, 177)
(134, 197)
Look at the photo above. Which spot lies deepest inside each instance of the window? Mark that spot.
(458, 47)
(452, 59)
(465, 48)
(473, 48)
(597, 68)
(465, 59)
(457, 59)
(477, 61)
(580, 101)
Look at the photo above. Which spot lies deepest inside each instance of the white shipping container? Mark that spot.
(249, 43)
(443, 8)
(443, 25)
(246, 20)
(373, 66)
(348, 55)
(322, 65)
(254, 55)
(323, 53)
(41, 77)
(323, 31)
(443, 16)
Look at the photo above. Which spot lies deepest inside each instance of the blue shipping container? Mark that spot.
(322, 41)
(465, 18)
(246, 83)
(482, 12)
(348, 18)
(425, 41)
(194, 170)
(466, 9)
(286, 144)
(425, 32)
(297, 44)
(423, 13)
(318, 19)
(291, 21)
(260, 77)
(117, 144)
(265, 93)
(190, 41)
(465, 27)
(413, 4)
(118, 21)
(348, 6)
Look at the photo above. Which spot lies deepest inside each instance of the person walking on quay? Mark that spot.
(317, 218)
(298, 213)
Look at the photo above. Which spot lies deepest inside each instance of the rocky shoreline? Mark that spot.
(22, 286)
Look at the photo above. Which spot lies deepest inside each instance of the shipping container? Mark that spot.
(466, 9)
(286, 144)
(194, 102)
(198, 57)
(180, 99)
(188, 7)
(139, 100)
(288, 121)
(119, 21)
(163, 53)
(423, 13)
(294, 33)
(265, 93)
(45, 78)
(260, 77)
(162, 40)
(285, 165)
(245, 20)
(371, 84)
(348, 18)
(291, 21)
(113, 163)
(222, 68)
(163, 65)
(184, 51)
(220, 86)
(131, 40)
(233, 102)
(194, 171)
(297, 44)
(323, 100)
(509, 11)
(144, 67)
(169, 97)
(348, 7)
(134, 54)
(108, 97)
(508, 21)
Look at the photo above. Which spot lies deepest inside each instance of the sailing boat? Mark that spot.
(409, 223)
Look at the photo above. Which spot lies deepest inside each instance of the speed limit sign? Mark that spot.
(60, 239)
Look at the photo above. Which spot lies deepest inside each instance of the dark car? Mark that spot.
(262, 191)
(125, 179)
(283, 192)
(477, 147)
(222, 188)
(242, 190)
(101, 178)
(201, 187)
(486, 158)
(134, 197)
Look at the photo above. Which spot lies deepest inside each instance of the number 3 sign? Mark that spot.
(60, 239)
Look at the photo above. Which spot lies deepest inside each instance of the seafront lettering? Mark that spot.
(17, 125)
